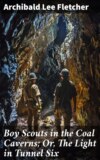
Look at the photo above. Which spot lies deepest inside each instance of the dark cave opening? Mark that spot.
(62, 30)
(52, 65)
(38, 43)
(45, 43)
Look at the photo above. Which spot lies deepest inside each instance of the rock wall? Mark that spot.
(8, 66)
(86, 54)
(30, 42)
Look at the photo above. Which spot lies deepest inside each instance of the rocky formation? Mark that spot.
(39, 42)
(86, 52)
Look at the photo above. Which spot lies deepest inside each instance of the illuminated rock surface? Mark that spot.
(31, 42)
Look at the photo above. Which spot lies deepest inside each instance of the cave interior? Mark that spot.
(45, 43)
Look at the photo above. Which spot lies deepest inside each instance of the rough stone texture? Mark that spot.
(30, 42)
(86, 52)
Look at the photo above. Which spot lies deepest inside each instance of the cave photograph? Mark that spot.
(49, 85)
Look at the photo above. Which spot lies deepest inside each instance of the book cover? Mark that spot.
(49, 80)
